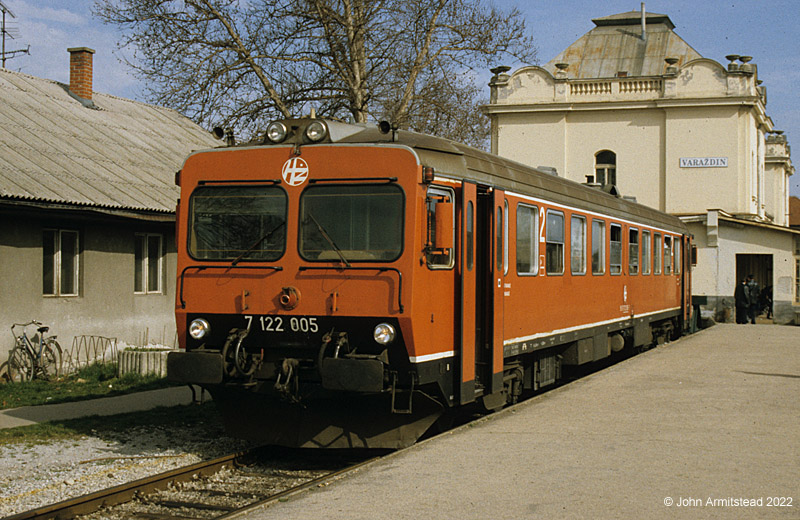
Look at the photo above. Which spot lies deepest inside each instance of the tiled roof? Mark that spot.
(615, 45)
(121, 154)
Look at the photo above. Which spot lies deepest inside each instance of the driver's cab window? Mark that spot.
(440, 211)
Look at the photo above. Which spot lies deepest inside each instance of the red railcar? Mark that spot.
(342, 286)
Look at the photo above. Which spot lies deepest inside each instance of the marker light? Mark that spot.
(316, 131)
(199, 328)
(383, 334)
(276, 132)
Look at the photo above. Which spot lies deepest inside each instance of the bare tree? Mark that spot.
(243, 62)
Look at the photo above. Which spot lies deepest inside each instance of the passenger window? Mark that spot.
(527, 243)
(505, 240)
(677, 248)
(554, 252)
(499, 245)
(667, 255)
(577, 253)
(633, 251)
(657, 253)
(470, 236)
(645, 252)
(615, 259)
(598, 247)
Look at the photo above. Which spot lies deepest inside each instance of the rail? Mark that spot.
(112, 496)
(117, 495)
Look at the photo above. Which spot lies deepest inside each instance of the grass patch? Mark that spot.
(92, 382)
(199, 417)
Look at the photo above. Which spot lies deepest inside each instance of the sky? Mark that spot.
(764, 29)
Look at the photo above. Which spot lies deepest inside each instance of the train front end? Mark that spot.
(295, 262)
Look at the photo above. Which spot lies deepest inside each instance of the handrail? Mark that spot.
(380, 269)
(203, 267)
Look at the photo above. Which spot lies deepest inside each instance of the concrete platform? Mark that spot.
(689, 430)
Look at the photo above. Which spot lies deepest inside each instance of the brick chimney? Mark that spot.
(80, 71)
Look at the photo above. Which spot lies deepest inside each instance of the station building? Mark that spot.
(632, 108)
(87, 208)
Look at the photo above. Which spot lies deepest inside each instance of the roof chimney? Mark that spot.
(644, 24)
(80, 71)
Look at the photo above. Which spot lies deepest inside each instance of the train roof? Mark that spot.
(459, 161)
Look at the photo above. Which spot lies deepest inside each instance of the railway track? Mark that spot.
(221, 488)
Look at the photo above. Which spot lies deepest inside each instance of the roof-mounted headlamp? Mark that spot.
(316, 131)
(276, 132)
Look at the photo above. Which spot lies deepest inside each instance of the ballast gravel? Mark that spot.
(35, 475)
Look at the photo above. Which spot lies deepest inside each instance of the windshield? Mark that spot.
(351, 223)
(237, 223)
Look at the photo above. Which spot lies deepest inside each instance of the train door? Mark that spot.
(690, 320)
(498, 289)
(469, 292)
(488, 292)
(683, 273)
(483, 294)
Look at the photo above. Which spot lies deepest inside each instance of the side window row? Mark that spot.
(641, 258)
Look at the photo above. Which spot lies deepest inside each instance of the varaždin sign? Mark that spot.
(704, 162)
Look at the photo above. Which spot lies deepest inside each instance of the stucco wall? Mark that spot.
(569, 142)
(107, 305)
(703, 132)
(714, 276)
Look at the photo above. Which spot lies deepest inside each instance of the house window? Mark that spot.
(615, 260)
(797, 269)
(633, 251)
(645, 252)
(148, 259)
(554, 251)
(60, 262)
(605, 167)
(527, 243)
(578, 245)
(797, 280)
(598, 247)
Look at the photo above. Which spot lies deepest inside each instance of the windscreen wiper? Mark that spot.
(329, 239)
(267, 235)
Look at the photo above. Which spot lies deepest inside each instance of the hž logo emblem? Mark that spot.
(295, 171)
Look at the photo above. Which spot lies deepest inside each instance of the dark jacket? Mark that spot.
(753, 293)
(740, 295)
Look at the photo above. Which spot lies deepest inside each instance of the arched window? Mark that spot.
(605, 167)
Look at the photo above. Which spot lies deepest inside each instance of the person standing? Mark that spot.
(753, 294)
(741, 301)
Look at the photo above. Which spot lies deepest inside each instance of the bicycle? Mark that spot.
(36, 357)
